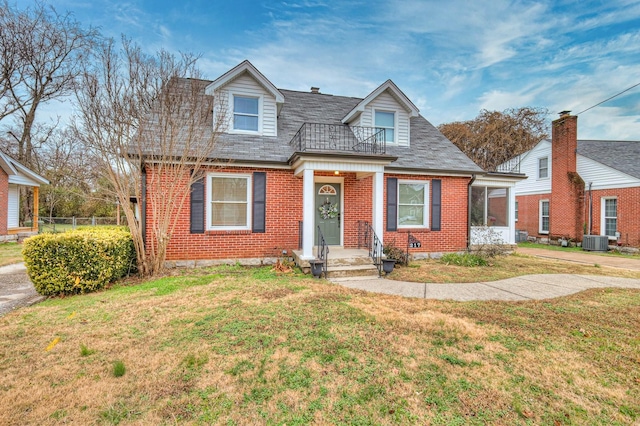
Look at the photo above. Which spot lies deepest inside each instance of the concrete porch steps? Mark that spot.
(342, 262)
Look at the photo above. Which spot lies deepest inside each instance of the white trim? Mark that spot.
(603, 218)
(208, 200)
(395, 123)
(333, 180)
(397, 93)
(425, 206)
(13, 207)
(540, 231)
(20, 174)
(232, 74)
(247, 95)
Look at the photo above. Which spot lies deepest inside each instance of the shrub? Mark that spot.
(78, 261)
(465, 259)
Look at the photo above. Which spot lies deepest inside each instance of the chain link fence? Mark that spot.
(62, 224)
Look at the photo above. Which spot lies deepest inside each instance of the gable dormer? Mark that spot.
(386, 108)
(249, 102)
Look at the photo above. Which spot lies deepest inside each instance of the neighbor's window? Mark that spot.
(229, 201)
(412, 204)
(543, 168)
(544, 216)
(610, 216)
(386, 121)
(489, 206)
(245, 113)
(516, 214)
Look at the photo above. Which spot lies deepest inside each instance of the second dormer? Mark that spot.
(246, 102)
(385, 108)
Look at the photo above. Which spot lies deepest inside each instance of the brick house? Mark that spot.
(290, 163)
(13, 176)
(576, 187)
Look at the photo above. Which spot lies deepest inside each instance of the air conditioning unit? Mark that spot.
(595, 242)
(521, 236)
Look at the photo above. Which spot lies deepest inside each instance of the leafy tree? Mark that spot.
(494, 137)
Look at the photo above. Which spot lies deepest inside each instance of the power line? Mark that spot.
(608, 99)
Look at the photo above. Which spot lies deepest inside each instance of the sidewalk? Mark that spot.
(527, 287)
(626, 262)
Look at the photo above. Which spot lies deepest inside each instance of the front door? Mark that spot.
(328, 212)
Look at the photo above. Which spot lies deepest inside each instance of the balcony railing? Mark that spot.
(510, 166)
(339, 137)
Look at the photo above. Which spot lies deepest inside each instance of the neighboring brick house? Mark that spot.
(14, 175)
(290, 162)
(576, 187)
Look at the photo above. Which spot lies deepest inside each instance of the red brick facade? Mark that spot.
(628, 213)
(284, 210)
(568, 200)
(4, 202)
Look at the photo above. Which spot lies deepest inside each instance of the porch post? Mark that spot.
(307, 214)
(36, 207)
(378, 205)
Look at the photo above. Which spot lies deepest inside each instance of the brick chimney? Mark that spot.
(567, 187)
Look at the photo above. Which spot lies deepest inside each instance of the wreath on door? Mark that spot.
(328, 210)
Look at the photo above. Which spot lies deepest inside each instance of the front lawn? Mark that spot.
(435, 271)
(10, 253)
(247, 346)
(528, 244)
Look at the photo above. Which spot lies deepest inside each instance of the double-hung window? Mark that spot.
(387, 121)
(544, 217)
(609, 216)
(412, 204)
(229, 201)
(246, 113)
(543, 168)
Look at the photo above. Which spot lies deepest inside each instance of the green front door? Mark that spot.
(328, 212)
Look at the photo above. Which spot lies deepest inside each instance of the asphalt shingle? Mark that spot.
(619, 155)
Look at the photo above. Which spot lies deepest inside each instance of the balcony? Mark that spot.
(509, 166)
(339, 138)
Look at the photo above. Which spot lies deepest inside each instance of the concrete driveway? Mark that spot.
(16, 289)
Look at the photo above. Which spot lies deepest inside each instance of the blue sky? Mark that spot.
(451, 58)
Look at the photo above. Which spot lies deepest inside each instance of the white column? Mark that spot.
(308, 203)
(378, 205)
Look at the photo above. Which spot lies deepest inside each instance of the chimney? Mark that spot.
(567, 187)
(315, 90)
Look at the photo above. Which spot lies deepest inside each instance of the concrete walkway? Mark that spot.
(16, 289)
(527, 287)
(624, 262)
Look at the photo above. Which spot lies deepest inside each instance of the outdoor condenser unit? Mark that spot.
(595, 242)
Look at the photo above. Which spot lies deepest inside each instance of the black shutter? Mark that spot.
(436, 204)
(392, 204)
(259, 201)
(197, 207)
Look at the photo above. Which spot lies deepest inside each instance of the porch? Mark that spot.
(341, 262)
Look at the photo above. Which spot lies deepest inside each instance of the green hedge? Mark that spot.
(78, 261)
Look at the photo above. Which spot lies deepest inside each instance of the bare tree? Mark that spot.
(494, 137)
(151, 128)
(42, 53)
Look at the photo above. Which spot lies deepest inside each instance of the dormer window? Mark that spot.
(386, 120)
(246, 113)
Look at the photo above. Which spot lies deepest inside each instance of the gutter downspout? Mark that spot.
(590, 209)
(473, 178)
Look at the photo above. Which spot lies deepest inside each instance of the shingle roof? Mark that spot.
(430, 150)
(620, 155)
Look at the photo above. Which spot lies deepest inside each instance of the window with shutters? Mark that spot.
(228, 201)
(413, 202)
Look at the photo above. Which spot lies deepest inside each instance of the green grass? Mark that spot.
(250, 346)
(10, 253)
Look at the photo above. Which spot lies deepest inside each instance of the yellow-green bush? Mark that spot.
(78, 261)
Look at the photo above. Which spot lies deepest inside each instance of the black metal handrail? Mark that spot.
(368, 239)
(323, 252)
(339, 137)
